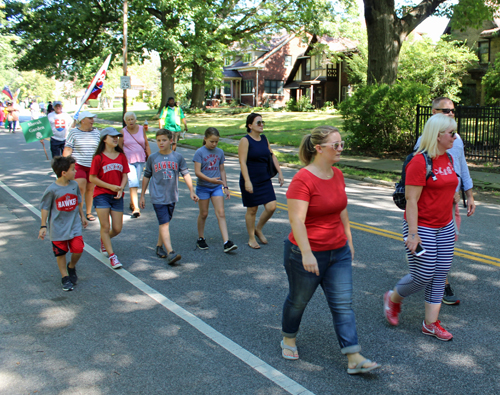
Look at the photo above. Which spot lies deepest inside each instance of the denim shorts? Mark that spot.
(164, 212)
(106, 200)
(205, 193)
(134, 176)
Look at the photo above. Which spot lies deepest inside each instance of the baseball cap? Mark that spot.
(109, 131)
(57, 103)
(85, 114)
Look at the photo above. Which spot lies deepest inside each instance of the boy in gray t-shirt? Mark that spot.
(163, 168)
(60, 205)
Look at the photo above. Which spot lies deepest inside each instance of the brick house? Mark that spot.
(319, 75)
(486, 42)
(256, 77)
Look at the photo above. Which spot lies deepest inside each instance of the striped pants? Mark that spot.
(429, 270)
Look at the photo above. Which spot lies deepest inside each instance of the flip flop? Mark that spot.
(360, 369)
(135, 214)
(262, 239)
(257, 247)
(90, 217)
(286, 347)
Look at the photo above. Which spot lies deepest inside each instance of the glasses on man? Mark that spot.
(260, 123)
(335, 145)
(446, 110)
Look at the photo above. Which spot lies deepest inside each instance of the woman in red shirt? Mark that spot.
(319, 249)
(428, 227)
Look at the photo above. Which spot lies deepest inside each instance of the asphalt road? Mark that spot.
(211, 326)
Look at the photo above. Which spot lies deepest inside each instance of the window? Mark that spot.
(228, 61)
(247, 86)
(319, 59)
(273, 86)
(227, 88)
(308, 66)
(247, 58)
(288, 60)
(483, 51)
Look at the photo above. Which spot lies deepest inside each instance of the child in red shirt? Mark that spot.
(109, 174)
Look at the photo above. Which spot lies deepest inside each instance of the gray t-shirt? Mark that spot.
(210, 160)
(62, 202)
(163, 171)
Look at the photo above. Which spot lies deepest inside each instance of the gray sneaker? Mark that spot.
(449, 296)
(172, 258)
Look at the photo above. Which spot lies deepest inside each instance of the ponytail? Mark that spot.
(319, 135)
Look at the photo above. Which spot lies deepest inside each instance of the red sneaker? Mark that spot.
(436, 330)
(103, 249)
(391, 309)
(114, 262)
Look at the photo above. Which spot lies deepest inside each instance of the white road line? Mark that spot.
(244, 355)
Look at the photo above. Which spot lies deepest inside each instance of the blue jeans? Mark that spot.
(335, 268)
(57, 147)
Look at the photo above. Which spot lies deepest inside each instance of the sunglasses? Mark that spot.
(446, 110)
(452, 134)
(260, 123)
(335, 145)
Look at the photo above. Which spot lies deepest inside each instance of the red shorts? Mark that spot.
(82, 172)
(75, 246)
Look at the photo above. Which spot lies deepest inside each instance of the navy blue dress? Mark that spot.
(257, 159)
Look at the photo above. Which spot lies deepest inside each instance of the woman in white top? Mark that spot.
(136, 147)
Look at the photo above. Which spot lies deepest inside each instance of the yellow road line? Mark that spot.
(395, 235)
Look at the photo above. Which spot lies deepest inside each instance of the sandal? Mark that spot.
(360, 369)
(90, 217)
(290, 348)
(135, 214)
(255, 247)
(261, 238)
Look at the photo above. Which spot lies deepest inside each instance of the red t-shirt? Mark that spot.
(435, 205)
(327, 199)
(108, 170)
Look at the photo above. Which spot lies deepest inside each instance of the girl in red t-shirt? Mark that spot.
(109, 174)
(428, 227)
(319, 250)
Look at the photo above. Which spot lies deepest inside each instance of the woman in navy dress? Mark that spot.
(255, 181)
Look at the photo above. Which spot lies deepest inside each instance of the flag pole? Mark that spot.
(43, 143)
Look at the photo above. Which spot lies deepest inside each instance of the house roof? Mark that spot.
(338, 44)
(231, 73)
(493, 31)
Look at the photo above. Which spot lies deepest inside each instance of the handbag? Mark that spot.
(143, 147)
(271, 168)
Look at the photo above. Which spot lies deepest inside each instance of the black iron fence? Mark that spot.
(479, 128)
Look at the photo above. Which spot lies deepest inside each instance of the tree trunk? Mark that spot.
(198, 74)
(384, 41)
(167, 78)
(386, 32)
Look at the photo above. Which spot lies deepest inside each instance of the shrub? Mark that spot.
(380, 119)
(491, 84)
(291, 105)
(304, 104)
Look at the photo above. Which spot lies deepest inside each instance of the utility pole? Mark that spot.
(125, 32)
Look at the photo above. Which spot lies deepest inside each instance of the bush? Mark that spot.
(491, 84)
(380, 119)
(301, 105)
(291, 105)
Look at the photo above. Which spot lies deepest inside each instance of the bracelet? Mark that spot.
(226, 187)
(43, 226)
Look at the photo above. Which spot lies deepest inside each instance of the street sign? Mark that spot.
(125, 82)
(37, 129)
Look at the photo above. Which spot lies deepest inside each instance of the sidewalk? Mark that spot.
(480, 178)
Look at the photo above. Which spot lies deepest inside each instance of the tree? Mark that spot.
(491, 84)
(387, 28)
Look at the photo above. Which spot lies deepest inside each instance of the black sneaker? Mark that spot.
(160, 252)
(202, 244)
(229, 246)
(72, 275)
(172, 258)
(67, 284)
(449, 296)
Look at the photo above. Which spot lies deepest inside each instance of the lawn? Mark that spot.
(282, 128)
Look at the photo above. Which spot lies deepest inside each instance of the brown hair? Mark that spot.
(165, 132)
(62, 163)
(210, 132)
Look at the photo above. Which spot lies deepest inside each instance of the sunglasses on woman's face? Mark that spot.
(260, 123)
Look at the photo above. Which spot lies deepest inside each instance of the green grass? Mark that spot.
(116, 115)
(227, 148)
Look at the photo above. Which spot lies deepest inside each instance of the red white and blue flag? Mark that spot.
(96, 85)
(60, 124)
(7, 92)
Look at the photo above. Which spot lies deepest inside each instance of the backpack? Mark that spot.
(399, 193)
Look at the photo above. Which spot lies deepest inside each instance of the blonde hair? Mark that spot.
(319, 135)
(129, 114)
(437, 124)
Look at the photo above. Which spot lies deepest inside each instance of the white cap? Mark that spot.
(85, 114)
